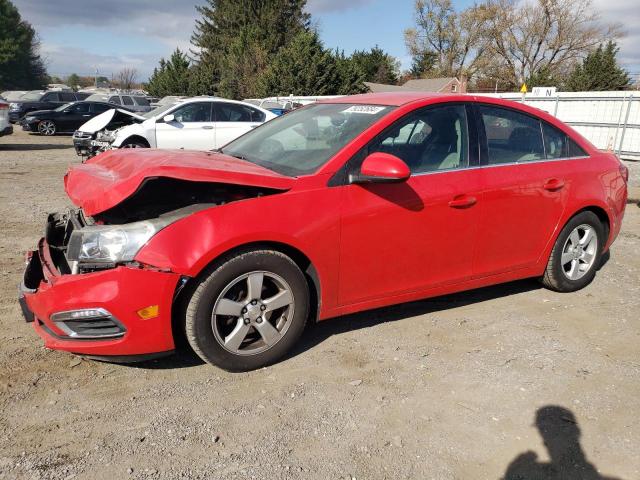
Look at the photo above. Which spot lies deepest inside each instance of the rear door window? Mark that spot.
(79, 108)
(142, 101)
(127, 100)
(233, 112)
(512, 137)
(115, 100)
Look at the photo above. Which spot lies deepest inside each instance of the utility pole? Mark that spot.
(96, 78)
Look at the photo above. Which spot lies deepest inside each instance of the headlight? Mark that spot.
(29, 119)
(110, 244)
(14, 106)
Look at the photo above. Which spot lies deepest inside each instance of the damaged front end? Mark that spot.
(80, 243)
(97, 135)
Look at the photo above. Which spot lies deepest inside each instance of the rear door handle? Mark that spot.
(553, 185)
(207, 127)
(462, 201)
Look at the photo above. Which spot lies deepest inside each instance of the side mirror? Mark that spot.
(382, 167)
(169, 118)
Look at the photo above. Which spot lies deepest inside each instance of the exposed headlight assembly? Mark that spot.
(106, 136)
(104, 245)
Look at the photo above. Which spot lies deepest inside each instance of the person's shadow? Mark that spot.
(561, 434)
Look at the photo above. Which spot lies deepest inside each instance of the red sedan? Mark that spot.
(341, 206)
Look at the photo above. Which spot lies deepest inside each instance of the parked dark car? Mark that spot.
(133, 103)
(38, 100)
(64, 119)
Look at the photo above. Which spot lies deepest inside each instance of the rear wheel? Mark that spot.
(249, 311)
(47, 127)
(576, 254)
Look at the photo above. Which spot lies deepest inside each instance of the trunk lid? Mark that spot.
(110, 178)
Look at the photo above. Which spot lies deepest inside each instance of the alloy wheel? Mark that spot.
(253, 313)
(579, 252)
(47, 127)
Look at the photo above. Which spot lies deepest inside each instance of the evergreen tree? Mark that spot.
(599, 71)
(234, 39)
(376, 65)
(172, 77)
(304, 67)
(20, 64)
(542, 78)
(422, 64)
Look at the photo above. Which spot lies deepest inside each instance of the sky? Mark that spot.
(78, 36)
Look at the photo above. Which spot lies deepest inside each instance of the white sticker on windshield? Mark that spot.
(368, 109)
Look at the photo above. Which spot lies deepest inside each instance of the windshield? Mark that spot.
(300, 142)
(32, 96)
(156, 112)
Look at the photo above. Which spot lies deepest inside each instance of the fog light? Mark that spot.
(149, 312)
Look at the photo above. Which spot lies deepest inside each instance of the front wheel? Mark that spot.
(47, 127)
(249, 311)
(134, 144)
(576, 254)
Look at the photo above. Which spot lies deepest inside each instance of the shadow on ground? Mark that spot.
(19, 147)
(320, 332)
(560, 432)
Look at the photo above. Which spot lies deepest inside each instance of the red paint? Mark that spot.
(383, 166)
(371, 244)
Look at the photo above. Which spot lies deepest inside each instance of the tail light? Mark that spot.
(624, 171)
(4, 106)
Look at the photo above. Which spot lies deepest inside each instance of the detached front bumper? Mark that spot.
(113, 326)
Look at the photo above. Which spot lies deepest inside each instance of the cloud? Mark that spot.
(63, 60)
(627, 14)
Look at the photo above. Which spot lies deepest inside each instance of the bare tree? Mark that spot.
(542, 35)
(455, 39)
(507, 40)
(126, 78)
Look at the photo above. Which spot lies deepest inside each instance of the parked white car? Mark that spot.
(201, 123)
(5, 125)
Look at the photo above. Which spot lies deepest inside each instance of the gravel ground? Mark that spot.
(448, 388)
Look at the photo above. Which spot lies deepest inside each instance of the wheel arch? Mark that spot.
(137, 138)
(186, 287)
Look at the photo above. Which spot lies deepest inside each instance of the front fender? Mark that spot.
(307, 221)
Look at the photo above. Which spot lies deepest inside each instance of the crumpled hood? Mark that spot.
(101, 121)
(111, 177)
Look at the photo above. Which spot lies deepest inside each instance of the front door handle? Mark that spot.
(462, 201)
(207, 127)
(553, 185)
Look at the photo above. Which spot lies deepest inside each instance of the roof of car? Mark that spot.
(385, 98)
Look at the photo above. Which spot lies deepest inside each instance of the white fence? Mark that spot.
(610, 120)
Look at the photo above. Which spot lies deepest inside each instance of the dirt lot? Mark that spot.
(447, 388)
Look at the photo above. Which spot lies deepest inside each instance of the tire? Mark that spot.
(236, 329)
(134, 144)
(570, 269)
(47, 128)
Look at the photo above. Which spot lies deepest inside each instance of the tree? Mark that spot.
(126, 78)
(351, 76)
(376, 65)
(541, 36)
(304, 67)
(233, 41)
(73, 81)
(172, 77)
(422, 64)
(453, 41)
(599, 71)
(20, 64)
